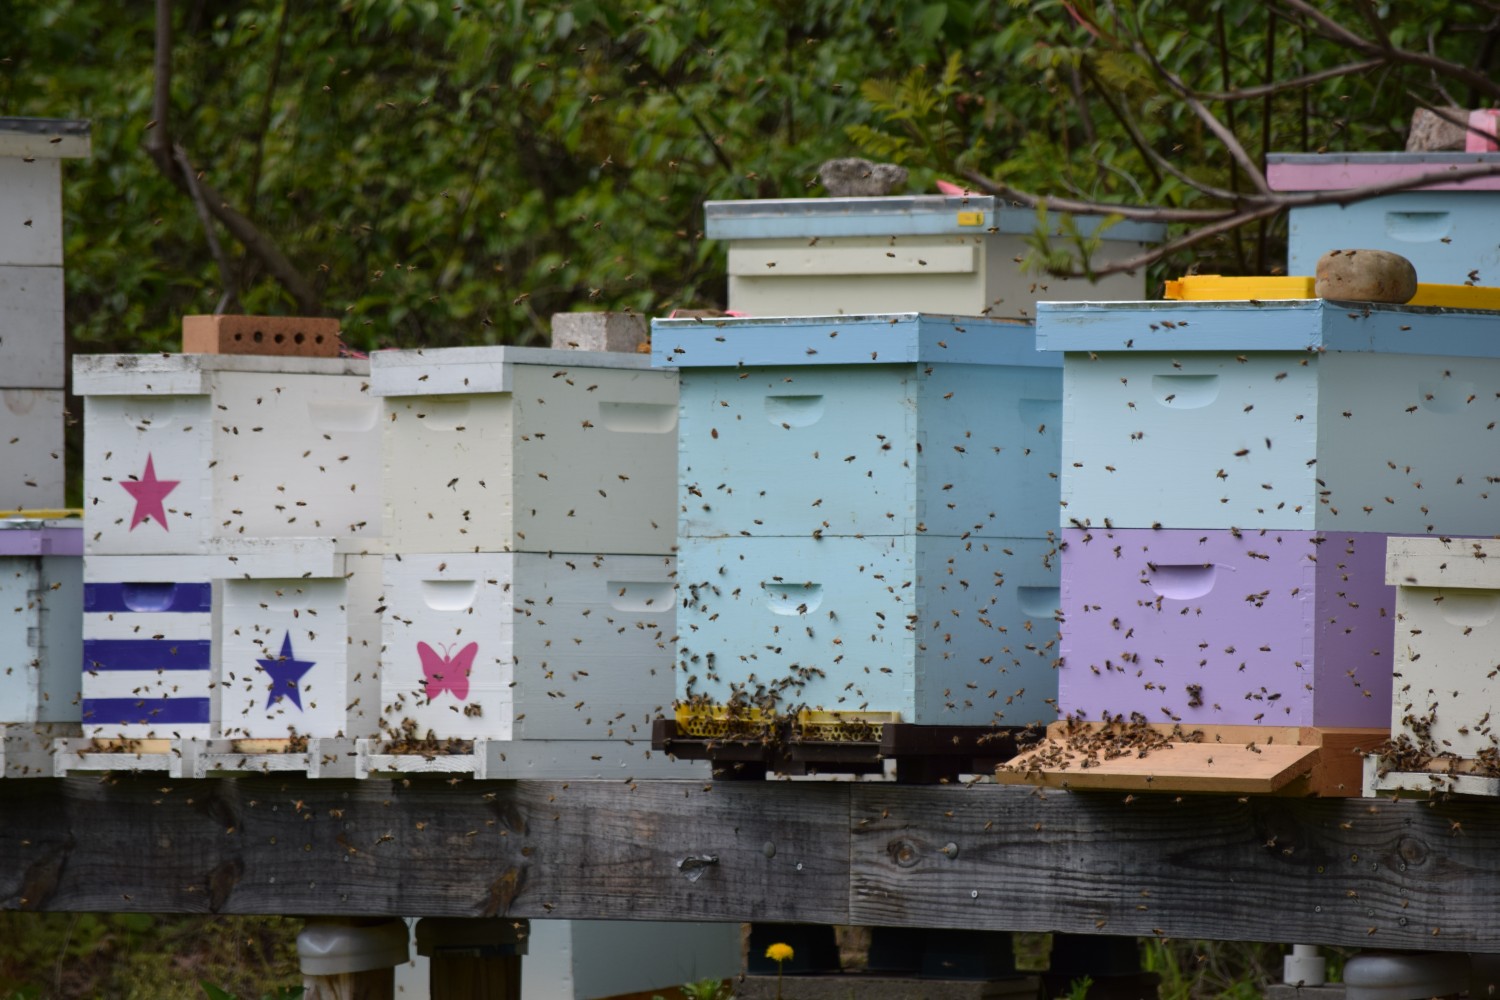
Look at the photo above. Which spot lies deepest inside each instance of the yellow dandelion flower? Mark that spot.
(779, 952)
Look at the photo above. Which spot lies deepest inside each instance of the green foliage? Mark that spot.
(705, 989)
(286, 993)
(1198, 970)
(1079, 988)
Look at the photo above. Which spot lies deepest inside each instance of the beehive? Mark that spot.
(1216, 627)
(498, 449)
(524, 645)
(1447, 230)
(1306, 415)
(299, 654)
(943, 630)
(1444, 689)
(933, 253)
(864, 425)
(41, 595)
(31, 449)
(184, 451)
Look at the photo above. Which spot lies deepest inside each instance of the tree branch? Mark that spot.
(231, 296)
(1286, 86)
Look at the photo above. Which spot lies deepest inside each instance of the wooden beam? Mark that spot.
(1419, 875)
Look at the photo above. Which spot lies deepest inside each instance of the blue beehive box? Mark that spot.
(1307, 415)
(868, 425)
(942, 630)
(1447, 230)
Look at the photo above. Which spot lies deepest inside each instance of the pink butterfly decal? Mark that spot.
(448, 671)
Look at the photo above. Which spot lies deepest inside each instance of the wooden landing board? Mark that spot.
(1402, 874)
(1241, 760)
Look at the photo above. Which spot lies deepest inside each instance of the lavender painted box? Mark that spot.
(1275, 628)
(1446, 229)
(41, 620)
(873, 425)
(942, 630)
(934, 253)
(1293, 415)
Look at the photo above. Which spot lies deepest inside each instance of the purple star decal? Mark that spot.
(286, 672)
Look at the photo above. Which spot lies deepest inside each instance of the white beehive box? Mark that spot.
(1445, 697)
(299, 655)
(31, 324)
(926, 253)
(581, 959)
(526, 645)
(31, 449)
(498, 449)
(31, 154)
(41, 609)
(184, 450)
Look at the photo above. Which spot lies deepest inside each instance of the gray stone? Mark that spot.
(598, 331)
(855, 178)
(1431, 133)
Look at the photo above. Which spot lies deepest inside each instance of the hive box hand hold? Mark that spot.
(184, 450)
(1304, 415)
(873, 425)
(935, 253)
(499, 449)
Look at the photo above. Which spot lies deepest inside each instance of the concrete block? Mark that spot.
(598, 331)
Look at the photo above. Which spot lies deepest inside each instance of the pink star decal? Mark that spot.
(148, 493)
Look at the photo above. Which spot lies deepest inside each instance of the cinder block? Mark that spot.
(182, 452)
(598, 331)
(41, 620)
(869, 425)
(31, 449)
(1446, 230)
(299, 656)
(928, 253)
(31, 326)
(1306, 415)
(526, 645)
(493, 449)
(1274, 628)
(945, 631)
(282, 336)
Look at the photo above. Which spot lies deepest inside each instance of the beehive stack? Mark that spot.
(1231, 472)
(1446, 229)
(866, 515)
(232, 551)
(528, 585)
(40, 582)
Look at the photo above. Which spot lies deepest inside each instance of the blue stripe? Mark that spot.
(126, 597)
(147, 654)
(144, 711)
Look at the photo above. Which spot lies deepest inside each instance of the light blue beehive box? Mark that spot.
(869, 425)
(943, 630)
(1448, 231)
(1306, 415)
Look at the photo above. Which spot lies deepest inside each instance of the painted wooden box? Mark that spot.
(874, 425)
(31, 326)
(299, 654)
(41, 620)
(1446, 229)
(942, 630)
(31, 218)
(1273, 627)
(497, 449)
(1306, 415)
(148, 650)
(183, 450)
(1447, 660)
(526, 645)
(31, 449)
(930, 253)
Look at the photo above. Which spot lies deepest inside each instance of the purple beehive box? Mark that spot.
(1226, 627)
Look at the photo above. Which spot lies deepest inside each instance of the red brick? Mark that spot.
(287, 336)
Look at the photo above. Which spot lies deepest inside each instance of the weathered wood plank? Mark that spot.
(526, 849)
(1367, 872)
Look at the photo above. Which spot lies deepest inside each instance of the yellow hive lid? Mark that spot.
(1217, 287)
